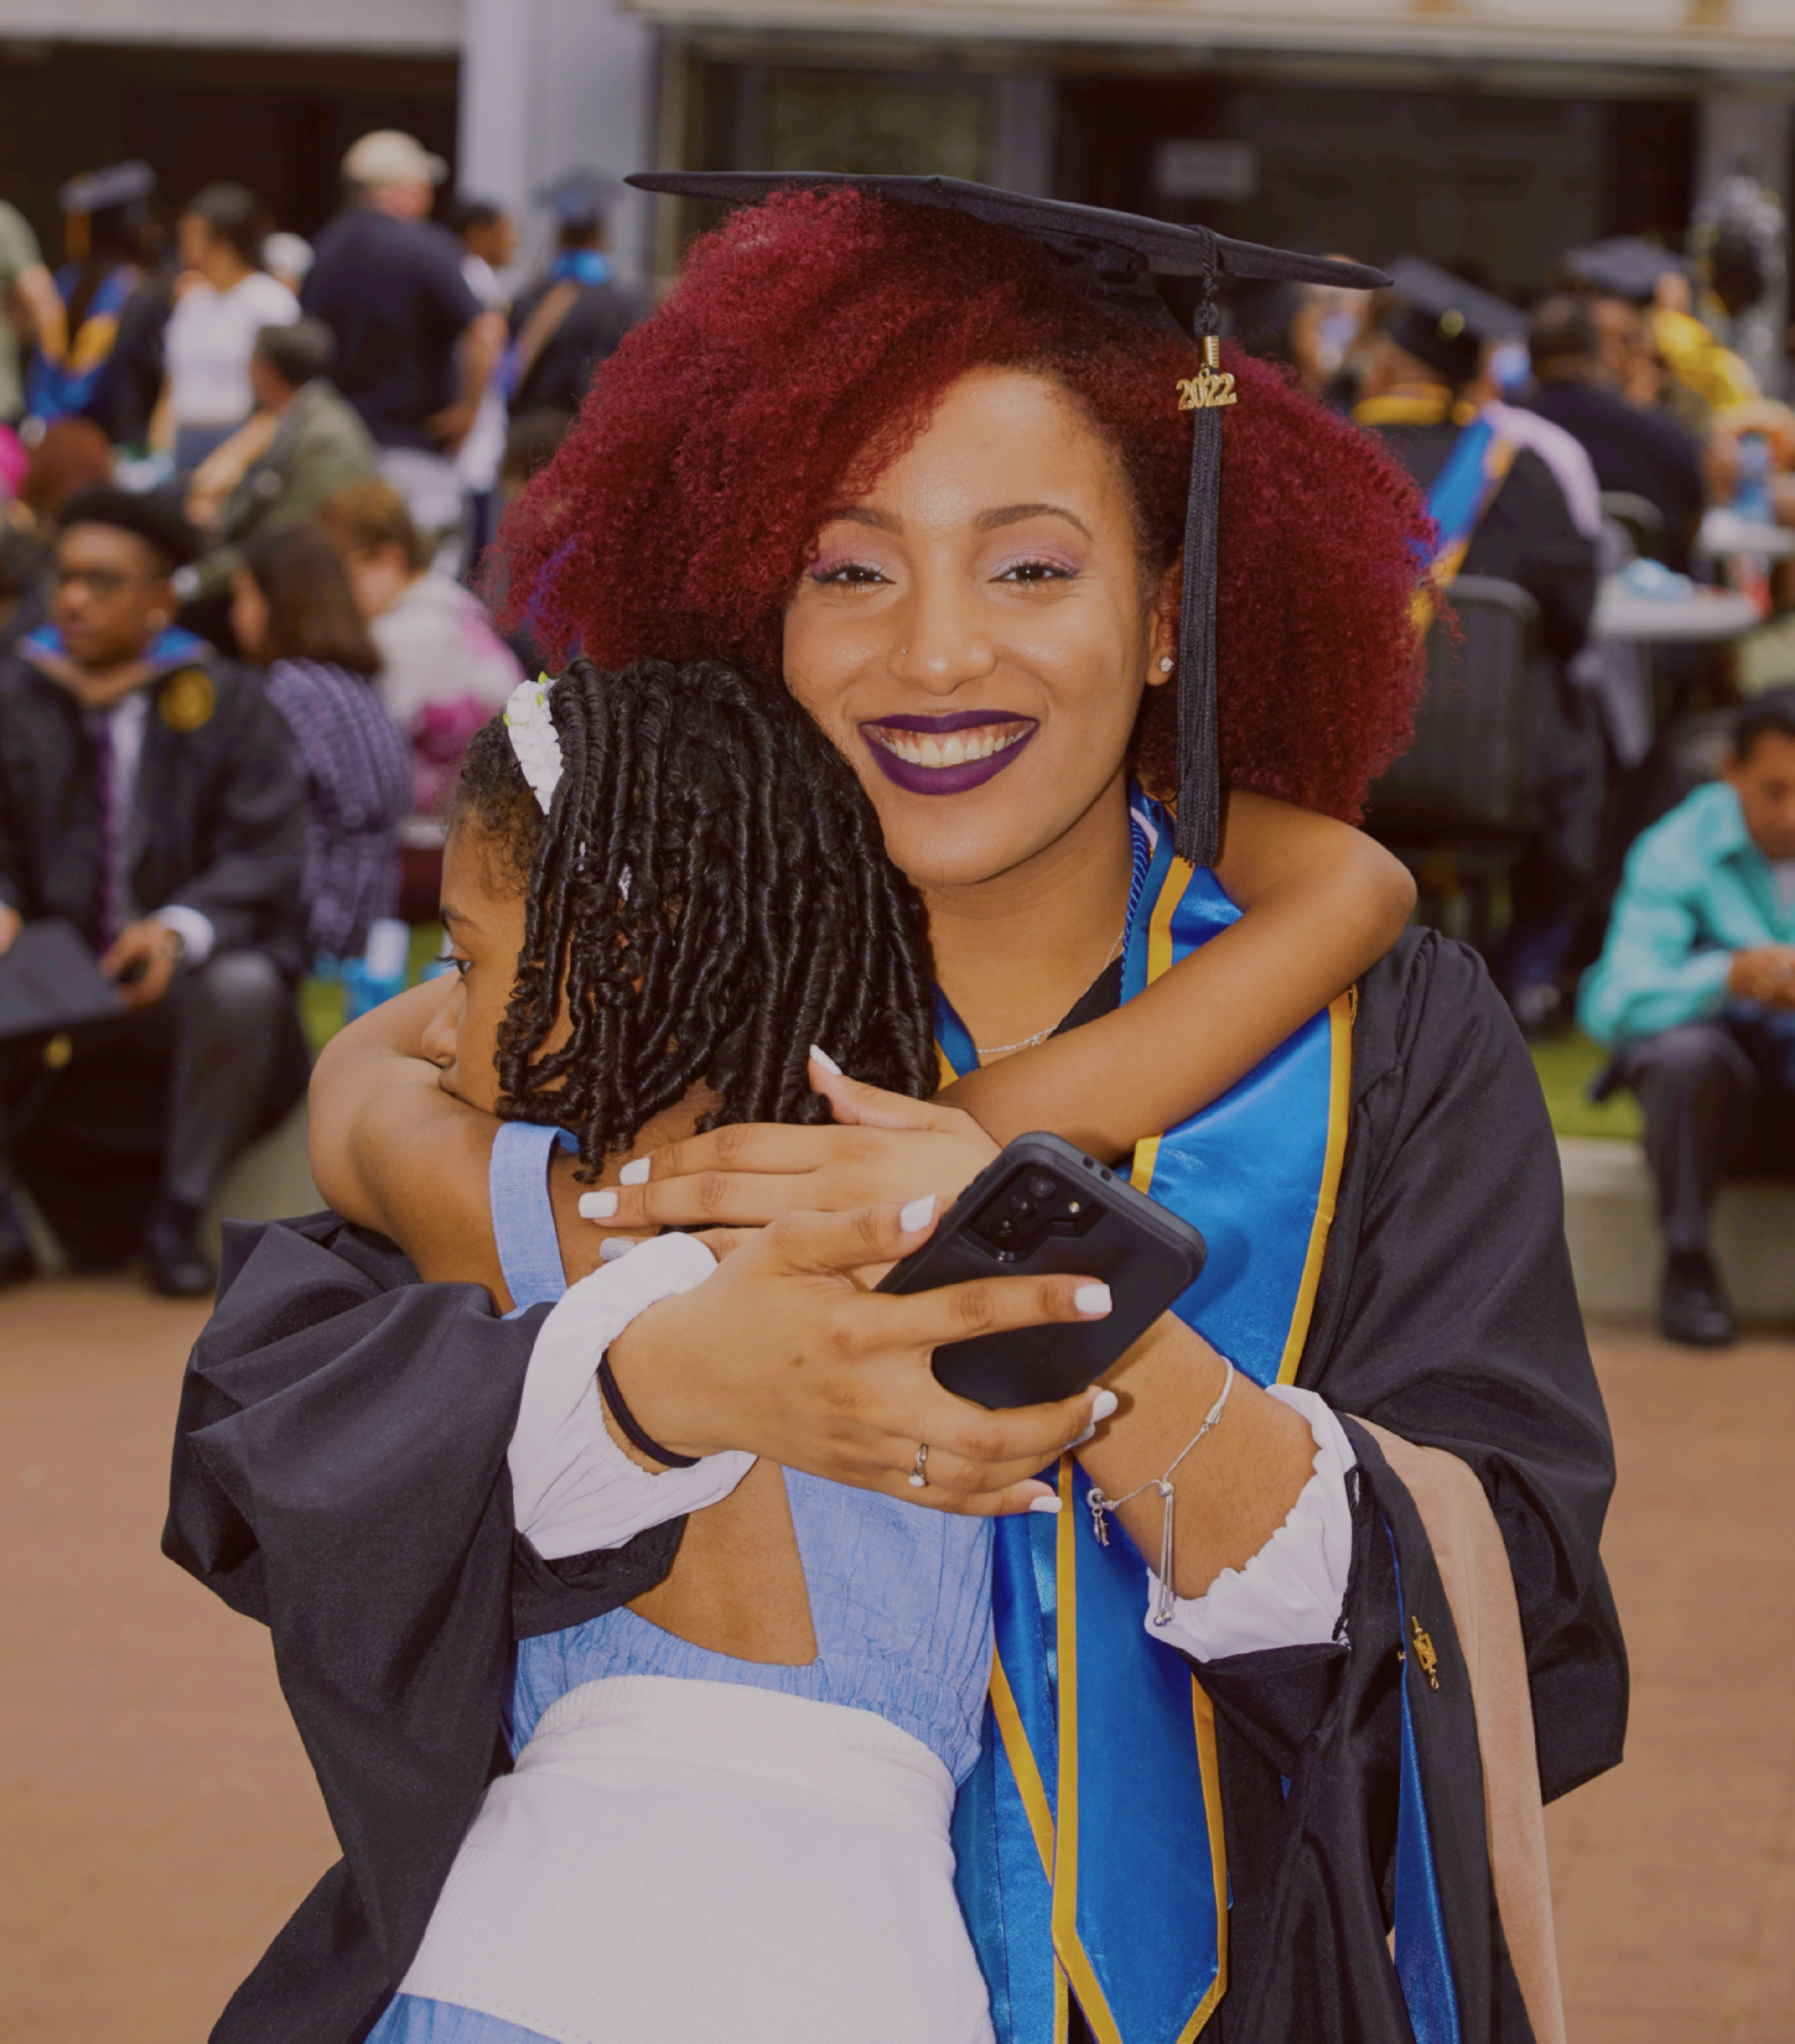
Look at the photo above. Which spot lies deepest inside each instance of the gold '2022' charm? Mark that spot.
(1211, 387)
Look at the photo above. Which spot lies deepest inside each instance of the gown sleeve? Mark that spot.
(339, 1474)
(1448, 1314)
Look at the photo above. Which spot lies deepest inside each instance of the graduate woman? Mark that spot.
(931, 469)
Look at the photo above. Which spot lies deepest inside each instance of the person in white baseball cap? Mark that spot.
(415, 347)
(389, 163)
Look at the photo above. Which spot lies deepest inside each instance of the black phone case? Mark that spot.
(1093, 1224)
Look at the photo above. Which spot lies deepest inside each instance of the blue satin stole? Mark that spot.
(1089, 1844)
(1473, 471)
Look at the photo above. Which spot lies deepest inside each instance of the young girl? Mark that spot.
(704, 898)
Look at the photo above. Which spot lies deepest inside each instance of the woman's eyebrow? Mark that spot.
(1015, 515)
(447, 914)
(864, 514)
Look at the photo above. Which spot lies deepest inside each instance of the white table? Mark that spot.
(1725, 535)
(1708, 616)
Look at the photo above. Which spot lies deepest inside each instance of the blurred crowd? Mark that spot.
(1601, 794)
(245, 485)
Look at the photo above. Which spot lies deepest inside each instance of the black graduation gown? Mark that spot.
(586, 334)
(339, 1474)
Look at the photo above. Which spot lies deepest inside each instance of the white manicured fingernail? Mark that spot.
(618, 1245)
(633, 1173)
(1105, 1401)
(917, 1484)
(918, 1213)
(1081, 1439)
(1044, 1504)
(823, 1059)
(598, 1205)
(1092, 1299)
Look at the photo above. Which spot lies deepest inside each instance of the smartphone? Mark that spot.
(1041, 1207)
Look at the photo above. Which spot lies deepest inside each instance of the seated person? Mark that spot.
(148, 796)
(294, 612)
(1421, 394)
(1644, 453)
(1696, 992)
(303, 445)
(443, 668)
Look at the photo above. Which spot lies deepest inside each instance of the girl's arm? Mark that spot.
(1322, 903)
(391, 1150)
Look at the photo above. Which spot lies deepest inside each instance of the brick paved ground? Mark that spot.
(157, 1820)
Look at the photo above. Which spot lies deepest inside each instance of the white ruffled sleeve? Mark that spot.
(1290, 1592)
(573, 1488)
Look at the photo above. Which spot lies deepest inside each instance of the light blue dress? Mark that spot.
(900, 1597)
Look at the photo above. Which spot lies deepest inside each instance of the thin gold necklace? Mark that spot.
(1028, 1043)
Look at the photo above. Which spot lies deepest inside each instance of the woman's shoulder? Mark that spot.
(1429, 1005)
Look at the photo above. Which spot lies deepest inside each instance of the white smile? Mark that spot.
(951, 749)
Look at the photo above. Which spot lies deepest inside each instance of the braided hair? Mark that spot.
(708, 897)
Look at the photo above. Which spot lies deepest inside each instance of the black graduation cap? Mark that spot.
(1628, 266)
(1445, 321)
(1113, 258)
(581, 198)
(48, 981)
(120, 184)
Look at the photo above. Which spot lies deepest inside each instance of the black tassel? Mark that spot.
(1199, 824)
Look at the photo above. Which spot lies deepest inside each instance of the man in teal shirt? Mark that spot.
(1695, 992)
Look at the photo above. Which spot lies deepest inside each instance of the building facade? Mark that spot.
(1486, 134)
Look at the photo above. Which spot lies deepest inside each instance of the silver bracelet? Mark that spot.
(1101, 1505)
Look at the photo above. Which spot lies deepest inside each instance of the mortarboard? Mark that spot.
(155, 517)
(123, 184)
(1445, 321)
(1112, 258)
(1627, 266)
(48, 981)
(581, 198)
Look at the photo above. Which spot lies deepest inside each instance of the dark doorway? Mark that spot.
(277, 121)
(1484, 182)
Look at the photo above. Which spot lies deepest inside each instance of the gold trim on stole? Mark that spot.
(1340, 1043)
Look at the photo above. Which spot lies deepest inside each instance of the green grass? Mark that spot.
(321, 1002)
(1567, 1065)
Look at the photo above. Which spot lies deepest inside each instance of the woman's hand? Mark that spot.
(884, 1149)
(782, 1353)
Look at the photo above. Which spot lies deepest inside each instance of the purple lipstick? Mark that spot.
(947, 755)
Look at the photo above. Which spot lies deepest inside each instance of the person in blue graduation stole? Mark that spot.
(942, 459)
(1499, 511)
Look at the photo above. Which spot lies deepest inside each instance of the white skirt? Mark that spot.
(703, 1862)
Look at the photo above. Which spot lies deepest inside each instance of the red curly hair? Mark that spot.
(806, 347)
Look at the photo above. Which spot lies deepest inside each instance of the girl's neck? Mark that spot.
(1014, 952)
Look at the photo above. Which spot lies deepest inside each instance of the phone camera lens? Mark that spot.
(1042, 1187)
(1004, 1230)
(1021, 1207)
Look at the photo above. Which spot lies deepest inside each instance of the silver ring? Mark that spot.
(919, 1475)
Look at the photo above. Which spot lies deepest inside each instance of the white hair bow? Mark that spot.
(534, 739)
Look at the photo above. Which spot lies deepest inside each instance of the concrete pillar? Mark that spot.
(554, 85)
(1022, 155)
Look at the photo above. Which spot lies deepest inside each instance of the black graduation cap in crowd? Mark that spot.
(121, 184)
(581, 198)
(1445, 321)
(1113, 258)
(48, 981)
(1626, 267)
